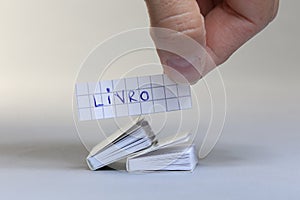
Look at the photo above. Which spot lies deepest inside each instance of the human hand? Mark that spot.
(220, 26)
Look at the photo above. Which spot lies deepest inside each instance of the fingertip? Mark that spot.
(181, 71)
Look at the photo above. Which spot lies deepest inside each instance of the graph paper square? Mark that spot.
(172, 104)
(147, 107)
(144, 82)
(119, 85)
(108, 99)
(183, 90)
(94, 88)
(95, 99)
(85, 114)
(120, 97)
(185, 103)
(168, 81)
(109, 112)
(131, 83)
(83, 102)
(82, 89)
(122, 110)
(160, 106)
(157, 80)
(107, 84)
(131, 96)
(134, 109)
(171, 91)
(158, 93)
(146, 94)
(97, 113)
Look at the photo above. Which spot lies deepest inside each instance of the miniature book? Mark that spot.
(143, 151)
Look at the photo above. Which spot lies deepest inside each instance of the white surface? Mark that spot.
(42, 46)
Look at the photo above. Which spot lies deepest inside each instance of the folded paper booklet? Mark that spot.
(171, 158)
(143, 151)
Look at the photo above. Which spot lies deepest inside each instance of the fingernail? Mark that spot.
(175, 76)
(181, 71)
(178, 63)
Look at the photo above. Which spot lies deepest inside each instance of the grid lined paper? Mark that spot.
(131, 96)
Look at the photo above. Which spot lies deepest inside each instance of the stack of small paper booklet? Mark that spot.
(143, 151)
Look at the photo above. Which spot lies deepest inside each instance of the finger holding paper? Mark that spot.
(221, 27)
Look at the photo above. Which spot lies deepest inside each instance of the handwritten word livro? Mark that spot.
(130, 96)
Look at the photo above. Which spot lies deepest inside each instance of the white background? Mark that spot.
(43, 43)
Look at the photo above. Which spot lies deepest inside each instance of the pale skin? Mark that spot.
(220, 26)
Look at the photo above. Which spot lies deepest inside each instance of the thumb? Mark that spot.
(184, 17)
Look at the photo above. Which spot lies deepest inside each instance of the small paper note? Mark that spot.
(131, 96)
